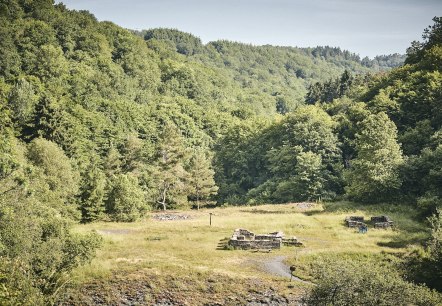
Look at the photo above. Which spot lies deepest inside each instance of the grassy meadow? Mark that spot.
(192, 249)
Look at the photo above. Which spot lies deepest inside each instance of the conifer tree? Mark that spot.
(112, 162)
(93, 195)
(201, 177)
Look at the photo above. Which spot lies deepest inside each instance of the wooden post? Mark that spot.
(210, 219)
(292, 270)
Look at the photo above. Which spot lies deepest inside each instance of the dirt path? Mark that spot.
(276, 266)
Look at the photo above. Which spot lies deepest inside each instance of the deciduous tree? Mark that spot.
(374, 173)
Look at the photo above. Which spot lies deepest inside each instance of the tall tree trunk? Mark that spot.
(163, 202)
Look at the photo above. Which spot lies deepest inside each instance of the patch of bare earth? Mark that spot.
(147, 288)
(276, 266)
(170, 217)
(304, 205)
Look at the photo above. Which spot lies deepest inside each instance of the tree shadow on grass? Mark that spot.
(344, 206)
(403, 240)
(313, 212)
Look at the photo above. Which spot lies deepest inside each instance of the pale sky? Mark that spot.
(365, 27)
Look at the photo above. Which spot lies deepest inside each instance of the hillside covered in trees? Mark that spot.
(99, 122)
(133, 120)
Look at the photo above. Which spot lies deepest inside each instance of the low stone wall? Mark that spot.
(245, 240)
(382, 222)
(354, 221)
(270, 236)
(255, 244)
(377, 221)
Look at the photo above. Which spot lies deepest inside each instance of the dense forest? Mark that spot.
(102, 123)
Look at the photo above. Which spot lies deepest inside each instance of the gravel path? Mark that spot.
(276, 266)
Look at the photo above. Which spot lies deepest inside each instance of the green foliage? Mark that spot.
(328, 91)
(422, 177)
(93, 195)
(309, 182)
(424, 265)
(414, 139)
(126, 201)
(348, 114)
(432, 38)
(55, 165)
(304, 156)
(201, 177)
(347, 85)
(351, 283)
(54, 169)
(184, 43)
(22, 100)
(16, 286)
(96, 120)
(239, 160)
(169, 173)
(410, 97)
(272, 79)
(374, 173)
(296, 158)
(36, 246)
(384, 61)
(435, 249)
(7, 144)
(86, 86)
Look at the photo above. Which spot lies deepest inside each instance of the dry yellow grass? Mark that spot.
(189, 246)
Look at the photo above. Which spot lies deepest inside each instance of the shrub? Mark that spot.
(425, 265)
(352, 283)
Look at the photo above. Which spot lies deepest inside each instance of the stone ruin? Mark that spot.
(245, 240)
(382, 222)
(293, 241)
(378, 221)
(354, 221)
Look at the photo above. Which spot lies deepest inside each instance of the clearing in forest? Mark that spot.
(186, 261)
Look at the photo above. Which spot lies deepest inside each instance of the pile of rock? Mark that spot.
(382, 222)
(293, 241)
(354, 221)
(305, 205)
(170, 217)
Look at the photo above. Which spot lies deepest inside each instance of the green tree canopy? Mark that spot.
(374, 173)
